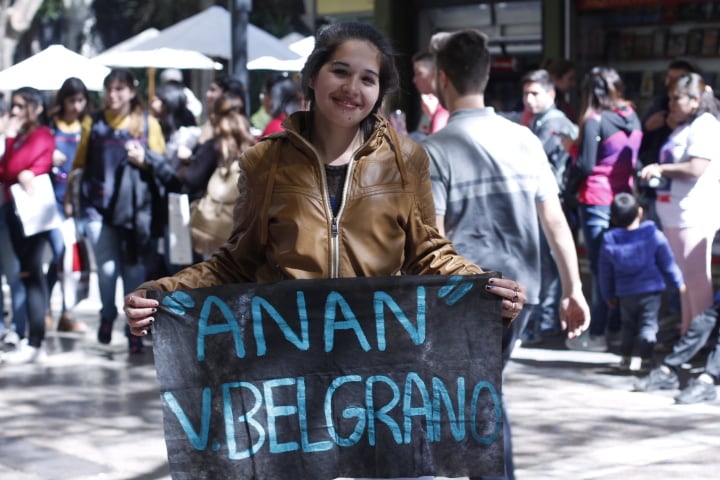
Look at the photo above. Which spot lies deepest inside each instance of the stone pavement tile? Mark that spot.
(21, 455)
(88, 413)
(572, 418)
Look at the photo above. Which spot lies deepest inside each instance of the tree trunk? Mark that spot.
(14, 20)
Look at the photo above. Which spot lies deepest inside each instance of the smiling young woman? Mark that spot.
(338, 193)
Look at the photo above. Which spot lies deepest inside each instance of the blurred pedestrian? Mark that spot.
(285, 99)
(687, 175)
(657, 125)
(28, 153)
(190, 175)
(604, 160)
(181, 135)
(174, 77)
(635, 261)
(563, 74)
(66, 116)
(9, 263)
(118, 199)
(703, 328)
(435, 116)
(550, 125)
(494, 191)
(220, 85)
(262, 116)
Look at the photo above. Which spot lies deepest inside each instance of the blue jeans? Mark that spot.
(10, 267)
(30, 252)
(57, 244)
(594, 221)
(545, 317)
(109, 245)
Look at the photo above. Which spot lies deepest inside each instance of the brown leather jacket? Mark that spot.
(284, 227)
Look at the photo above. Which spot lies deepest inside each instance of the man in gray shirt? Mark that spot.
(491, 183)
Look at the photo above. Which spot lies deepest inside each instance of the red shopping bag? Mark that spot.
(75, 266)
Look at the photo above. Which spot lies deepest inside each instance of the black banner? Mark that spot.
(317, 379)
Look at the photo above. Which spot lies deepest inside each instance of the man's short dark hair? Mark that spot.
(425, 57)
(541, 77)
(624, 209)
(681, 64)
(465, 59)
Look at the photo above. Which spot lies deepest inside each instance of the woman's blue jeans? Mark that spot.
(594, 221)
(10, 267)
(112, 262)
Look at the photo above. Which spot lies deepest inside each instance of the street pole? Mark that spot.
(240, 13)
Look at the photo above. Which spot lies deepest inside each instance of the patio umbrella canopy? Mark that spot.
(303, 47)
(158, 58)
(48, 69)
(208, 32)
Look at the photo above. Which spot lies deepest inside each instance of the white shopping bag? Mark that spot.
(38, 211)
(179, 240)
(75, 267)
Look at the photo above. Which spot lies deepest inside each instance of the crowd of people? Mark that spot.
(470, 190)
(112, 169)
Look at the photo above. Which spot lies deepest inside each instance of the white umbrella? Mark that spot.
(208, 32)
(48, 69)
(302, 47)
(129, 43)
(158, 58)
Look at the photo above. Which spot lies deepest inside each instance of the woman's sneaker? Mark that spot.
(697, 391)
(660, 378)
(624, 364)
(24, 353)
(587, 342)
(11, 338)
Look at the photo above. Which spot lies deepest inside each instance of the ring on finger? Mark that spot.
(513, 307)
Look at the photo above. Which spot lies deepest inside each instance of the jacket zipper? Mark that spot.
(335, 222)
(334, 219)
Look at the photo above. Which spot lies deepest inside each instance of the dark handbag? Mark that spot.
(572, 179)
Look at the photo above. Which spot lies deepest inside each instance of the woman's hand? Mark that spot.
(649, 171)
(512, 293)
(25, 179)
(59, 158)
(138, 310)
(136, 153)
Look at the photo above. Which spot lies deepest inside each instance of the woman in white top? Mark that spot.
(689, 195)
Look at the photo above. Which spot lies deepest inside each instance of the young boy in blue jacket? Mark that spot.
(635, 261)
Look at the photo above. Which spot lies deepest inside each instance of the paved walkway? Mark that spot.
(93, 412)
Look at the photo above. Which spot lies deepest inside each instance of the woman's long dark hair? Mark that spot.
(175, 113)
(602, 89)
(126, 77)
(70, 87)
(33, 97)
(329, 39)
(694, 86)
